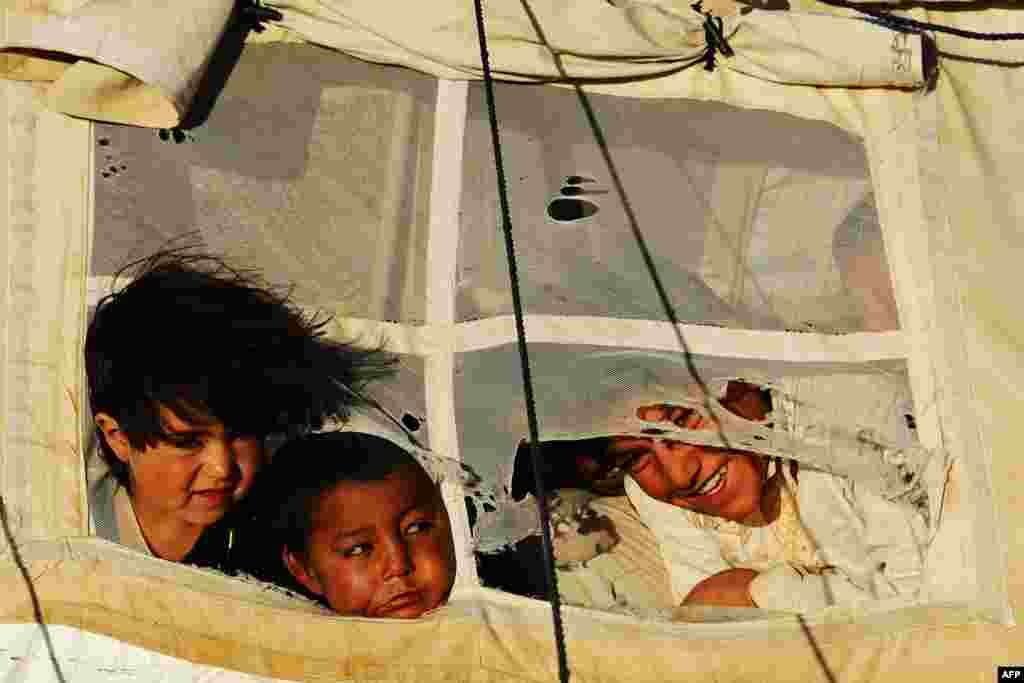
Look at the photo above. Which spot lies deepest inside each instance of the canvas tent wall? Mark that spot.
(940, 166)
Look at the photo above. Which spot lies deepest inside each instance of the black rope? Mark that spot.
(818, 654)
(255, 14)
(517, 306)
(714, 37)
(909, 25)
(652, 270)
(634, 224)
(37, 610)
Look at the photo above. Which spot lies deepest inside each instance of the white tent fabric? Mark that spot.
(124, 61)
(941, 166)
(641, 38)
(90, 656)
(148, 74)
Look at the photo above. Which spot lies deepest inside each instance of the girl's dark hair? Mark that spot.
(306, 468)
(216, 343)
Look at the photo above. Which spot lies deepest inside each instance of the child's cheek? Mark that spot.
(355, 589)
(442, 563)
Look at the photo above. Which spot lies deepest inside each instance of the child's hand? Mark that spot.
(795, 588)
(729, 588)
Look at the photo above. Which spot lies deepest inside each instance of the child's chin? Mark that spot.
(414, 612)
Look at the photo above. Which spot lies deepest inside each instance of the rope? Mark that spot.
(531, 411)
(908, 25)
(714, 37)
(631, 219)
(37, 609)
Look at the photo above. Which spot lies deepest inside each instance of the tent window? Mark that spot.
(305, 149)
(325, 184)
(762, 227)
(748, 229)
(758, 223)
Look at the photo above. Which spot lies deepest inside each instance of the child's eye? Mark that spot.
(357, 550)
(242, 436)
(185, 444)
(632, 460)
(418, 527)
(637, 463)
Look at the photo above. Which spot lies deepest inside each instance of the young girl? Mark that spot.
(190, 366)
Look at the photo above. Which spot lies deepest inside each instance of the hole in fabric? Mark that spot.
(568, 210)
(411, 422)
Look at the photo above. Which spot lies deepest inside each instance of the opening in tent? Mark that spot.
(763, 227)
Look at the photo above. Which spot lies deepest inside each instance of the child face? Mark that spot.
(727, 484)
(193, 476)
(714, 482)
(381, 548)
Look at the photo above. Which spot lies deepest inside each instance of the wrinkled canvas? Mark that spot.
(941, 167)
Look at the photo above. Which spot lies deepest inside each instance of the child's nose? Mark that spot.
(219, 457)
(680, 466)
(397, 560)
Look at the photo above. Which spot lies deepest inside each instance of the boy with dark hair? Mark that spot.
(358, 523)
(190, 366)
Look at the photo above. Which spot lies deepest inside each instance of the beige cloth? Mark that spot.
(125, 61)
(950, 211)
(480, 637)
(610, 40)
(129, 61)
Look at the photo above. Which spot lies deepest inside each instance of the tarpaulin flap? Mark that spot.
(481, 635)
(596, 41)
(140, 63)
(123, 61)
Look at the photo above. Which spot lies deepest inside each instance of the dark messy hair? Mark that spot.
(212, 342)
(306, 468)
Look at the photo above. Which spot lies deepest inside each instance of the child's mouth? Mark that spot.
(213, 497)
(711, 485)
(399, 603)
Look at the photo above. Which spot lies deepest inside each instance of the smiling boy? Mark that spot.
(711, 481)
(731, 485)
(761, 532)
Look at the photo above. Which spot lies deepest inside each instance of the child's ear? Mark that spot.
(304, 575)
(115, 438)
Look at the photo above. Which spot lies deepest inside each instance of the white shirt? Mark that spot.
(876, 547)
